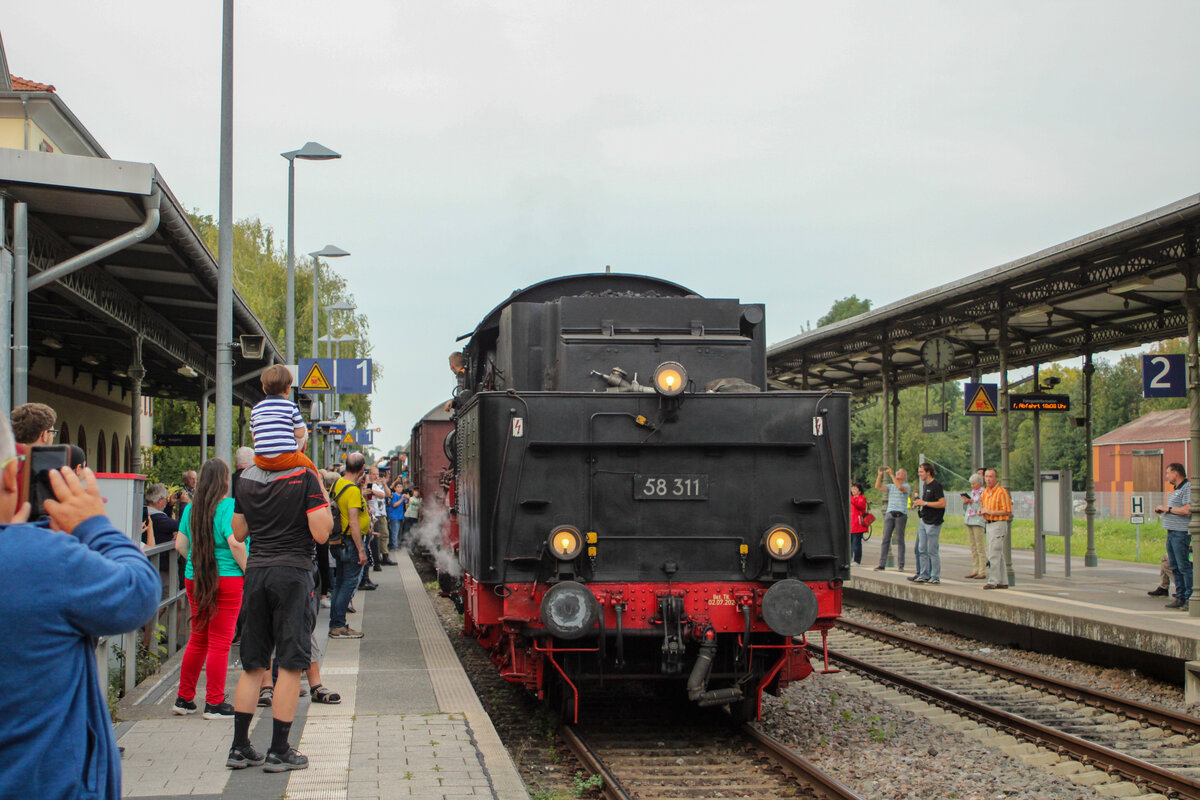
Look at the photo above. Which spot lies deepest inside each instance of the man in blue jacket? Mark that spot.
(66, 582)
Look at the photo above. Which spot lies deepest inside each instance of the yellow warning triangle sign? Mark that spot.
(349, 439)
(981, 403)
(315, 381)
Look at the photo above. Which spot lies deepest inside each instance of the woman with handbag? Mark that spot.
(860, 520)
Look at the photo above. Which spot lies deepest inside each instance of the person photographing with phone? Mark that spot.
(70, 578)
(1176, 514)
(895, 517)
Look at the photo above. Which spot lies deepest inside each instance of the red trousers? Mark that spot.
(208, 645)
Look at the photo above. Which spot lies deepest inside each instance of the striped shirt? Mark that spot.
(997, 503)
(1182, 496)
(897, 497)
(274, 422)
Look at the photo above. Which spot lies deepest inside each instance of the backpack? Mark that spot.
(339, 528)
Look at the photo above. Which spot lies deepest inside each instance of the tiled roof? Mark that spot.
(24, 85)
(1157, 426)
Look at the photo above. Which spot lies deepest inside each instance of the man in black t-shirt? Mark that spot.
(931, 508)
(287, 514)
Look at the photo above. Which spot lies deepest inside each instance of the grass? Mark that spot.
(1115, 539)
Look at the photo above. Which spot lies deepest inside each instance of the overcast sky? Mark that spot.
(788, 153)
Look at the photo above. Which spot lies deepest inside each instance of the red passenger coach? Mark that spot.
(633, 504)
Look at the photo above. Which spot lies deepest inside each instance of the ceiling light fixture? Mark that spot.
(52, 343)
(187, 372)
(1131, 285)
(90, 360)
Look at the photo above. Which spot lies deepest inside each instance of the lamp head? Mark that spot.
(329, 251)
(312, 152)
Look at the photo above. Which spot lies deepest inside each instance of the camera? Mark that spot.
(39, 461)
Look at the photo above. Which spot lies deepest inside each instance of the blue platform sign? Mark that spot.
(1164, 375)
(315, 375)
(354, 376)
(981, 399)
(359, 436)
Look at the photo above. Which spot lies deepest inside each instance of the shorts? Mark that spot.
(278, 617)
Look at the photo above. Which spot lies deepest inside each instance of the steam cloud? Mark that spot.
(427, 534)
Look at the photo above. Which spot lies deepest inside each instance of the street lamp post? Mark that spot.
(328, 251)
(310, 152)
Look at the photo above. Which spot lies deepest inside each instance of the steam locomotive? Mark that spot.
(632, 504)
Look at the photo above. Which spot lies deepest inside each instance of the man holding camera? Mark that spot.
(1175, 517)
(68, 580)
(895, 517)
(182, 498)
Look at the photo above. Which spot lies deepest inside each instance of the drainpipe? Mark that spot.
(6, 287)
(20, 307)
(25, 109)
(138, 234)
(23, 284)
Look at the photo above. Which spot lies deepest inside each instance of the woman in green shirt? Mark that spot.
(216, 563)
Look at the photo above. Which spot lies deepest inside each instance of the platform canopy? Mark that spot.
(162, 289)
(1118, 287)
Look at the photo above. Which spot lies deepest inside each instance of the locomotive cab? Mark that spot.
(633, 504)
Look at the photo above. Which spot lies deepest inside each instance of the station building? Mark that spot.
(138, 324)
(1133, 457)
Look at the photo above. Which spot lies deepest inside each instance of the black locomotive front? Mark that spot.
(631, 501)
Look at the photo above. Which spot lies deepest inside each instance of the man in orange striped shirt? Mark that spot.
(997, 513)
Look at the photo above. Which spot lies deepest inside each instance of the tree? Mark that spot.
(260, 277)
(845, 308)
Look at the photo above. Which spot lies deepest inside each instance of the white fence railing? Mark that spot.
(112, 650)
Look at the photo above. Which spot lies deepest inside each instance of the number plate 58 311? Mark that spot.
(670, 487)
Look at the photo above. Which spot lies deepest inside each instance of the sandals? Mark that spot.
(322, 695)
(265, 696)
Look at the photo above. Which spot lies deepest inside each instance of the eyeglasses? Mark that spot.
(53, 432)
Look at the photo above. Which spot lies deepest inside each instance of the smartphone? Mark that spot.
(38, 463)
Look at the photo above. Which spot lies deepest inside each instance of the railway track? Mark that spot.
(1152, 748)
(682, 754)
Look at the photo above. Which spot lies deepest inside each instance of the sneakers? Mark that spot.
(344, 632)
(244, 756)
(218, 711)
(282, 762)
(378, 567)
(368, 586)
(879, 569)
(918, 579)
(183, 707)
(350, 609)
(996, 586)
(1173, 604)
(934, 581)
(1159, 592)
(325, 603)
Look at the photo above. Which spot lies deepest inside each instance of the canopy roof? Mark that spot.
(163, 289)
(1117, 287)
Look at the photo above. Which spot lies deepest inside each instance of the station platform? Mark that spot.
(409, 724)
(1101, 614)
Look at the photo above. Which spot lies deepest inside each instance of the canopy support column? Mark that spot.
(885, 376)
(976, 430)
(137, 373)
(1090, 559)
(1193, 317)
(1004, 430)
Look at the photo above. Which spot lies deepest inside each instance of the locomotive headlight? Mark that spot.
(781, 542)
(670, 378)
(565, 543)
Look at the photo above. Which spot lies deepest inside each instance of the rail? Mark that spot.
(1184, 724)
(124, 647)
(1135, 770)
